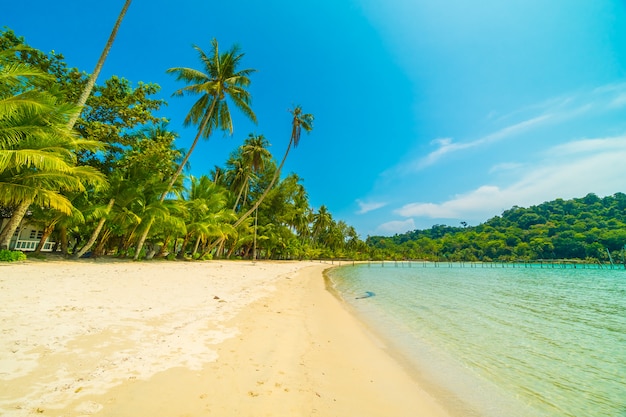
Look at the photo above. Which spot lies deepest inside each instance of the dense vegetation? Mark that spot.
(581, 228)
(113, 182)
(106, 178)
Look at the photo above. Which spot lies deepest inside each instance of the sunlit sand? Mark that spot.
(117, 338)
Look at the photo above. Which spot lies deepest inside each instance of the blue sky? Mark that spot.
(426, 112)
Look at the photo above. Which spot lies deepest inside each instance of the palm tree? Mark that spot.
(219, 82)
(299, 121)
(48, 219)
(322, 221)
(205, 205)
(251, 159)
(94, 76)
(152, 155)
(37, 151)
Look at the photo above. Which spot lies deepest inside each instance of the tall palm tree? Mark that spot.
(322, 221)
(37, 151)
(94, 76)
(219, 82)
(299, 121)
(252, 158)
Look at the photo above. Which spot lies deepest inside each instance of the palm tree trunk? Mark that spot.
(142, 239)
(267, 190)
(197, 245)
(245, 183)
(100, 248)
(47, 231)
(14, 222)
(163, 247)
(63, 239)
(181, 254)
(205, 121)
(95, 233)
(92, 79)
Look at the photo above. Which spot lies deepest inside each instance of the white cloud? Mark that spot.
(589, 146)
(505, 166)
(553, 111)
(366, 207)
(447, 146)
(467, 205)
(393, 227)
(567, 171)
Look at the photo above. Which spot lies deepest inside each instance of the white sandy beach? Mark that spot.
(120, 338)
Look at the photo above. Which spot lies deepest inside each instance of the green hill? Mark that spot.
(581, 228)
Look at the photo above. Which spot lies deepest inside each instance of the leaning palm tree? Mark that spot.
(219, 82)
(37, 151)
(94, 76)
(299, 121)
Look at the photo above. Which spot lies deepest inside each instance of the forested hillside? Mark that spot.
(581, 228)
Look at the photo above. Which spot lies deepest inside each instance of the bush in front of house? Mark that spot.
(10, 256)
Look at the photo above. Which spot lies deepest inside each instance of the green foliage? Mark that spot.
(11, 256)
(582, 228)
(119, 136)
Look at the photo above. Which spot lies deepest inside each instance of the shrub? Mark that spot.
(10, 256)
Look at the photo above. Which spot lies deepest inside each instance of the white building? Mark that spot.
(27, 237)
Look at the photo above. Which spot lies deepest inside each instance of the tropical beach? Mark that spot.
(116, 338)
(150, 268)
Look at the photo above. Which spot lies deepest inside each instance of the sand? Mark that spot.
(218, 338)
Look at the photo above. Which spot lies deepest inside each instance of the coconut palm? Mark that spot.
(218, 83)
(251, 159)
(205, 206)
(37, 151)
(152, 155)
(322, 221)
(299, 121)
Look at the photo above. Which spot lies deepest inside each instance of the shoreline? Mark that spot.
(230, 339)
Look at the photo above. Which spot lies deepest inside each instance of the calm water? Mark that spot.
(496, 342)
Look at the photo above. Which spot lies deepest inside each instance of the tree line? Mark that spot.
(105, 176)
(590, 229)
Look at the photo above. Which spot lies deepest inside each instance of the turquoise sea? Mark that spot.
(500, 341)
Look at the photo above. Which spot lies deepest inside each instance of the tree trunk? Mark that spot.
(13, 224)
(92, 79)
(196, 246)
(142, 239)
(260, 200)
(100, 248)
(163, 247)
(267, 190)
(205, 120)
(63, 239)
(47, 231)
(95, 233)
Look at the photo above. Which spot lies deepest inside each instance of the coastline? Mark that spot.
(227, 338)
